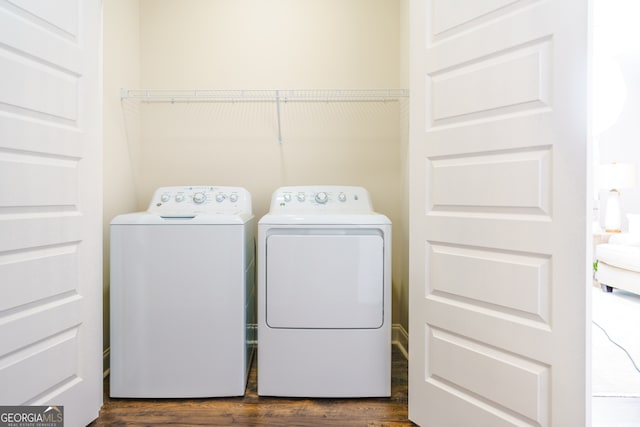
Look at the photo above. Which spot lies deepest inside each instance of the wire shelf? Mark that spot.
(276, 95)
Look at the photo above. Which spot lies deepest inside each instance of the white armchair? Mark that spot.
(619, 263)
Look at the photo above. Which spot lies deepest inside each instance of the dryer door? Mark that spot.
(325, 281)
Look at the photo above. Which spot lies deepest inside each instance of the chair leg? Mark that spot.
(606, 288)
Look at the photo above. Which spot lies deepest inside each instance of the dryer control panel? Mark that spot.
(321, 198)
(189, 200)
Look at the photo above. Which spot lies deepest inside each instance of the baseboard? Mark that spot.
(252, 333)
(400, 338)
(105, 362)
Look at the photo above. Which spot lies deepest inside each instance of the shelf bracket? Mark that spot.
(278, 114)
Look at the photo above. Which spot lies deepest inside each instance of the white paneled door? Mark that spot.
(50, 206)
(498, 213)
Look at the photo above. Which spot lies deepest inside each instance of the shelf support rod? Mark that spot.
(278, 114)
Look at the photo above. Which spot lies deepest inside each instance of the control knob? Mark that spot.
(233, 197)
(165, 197)
(220, 197)
(301, 197)
(342, 197)
(321, 197)
(199, 197)
(179, 197)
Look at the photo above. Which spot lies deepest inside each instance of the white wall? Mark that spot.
(121, 68)
(616, 43)
(621, 142)
(401, 294)
(259, 44)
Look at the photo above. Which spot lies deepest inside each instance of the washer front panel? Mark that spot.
(333, 279)
(178, 300)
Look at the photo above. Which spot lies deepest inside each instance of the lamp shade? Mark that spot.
(616, 176)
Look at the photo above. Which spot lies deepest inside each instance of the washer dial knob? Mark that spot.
(220, 197)
(199, 198)
(233, 197)
(287, 197)
(321, 197)
(301, 197)
(342, 197)
(165, 197)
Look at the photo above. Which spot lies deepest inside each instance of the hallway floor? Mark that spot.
(615, 412)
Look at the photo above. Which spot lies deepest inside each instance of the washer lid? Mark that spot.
(147, 218)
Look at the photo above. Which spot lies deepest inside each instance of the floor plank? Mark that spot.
(254, 410)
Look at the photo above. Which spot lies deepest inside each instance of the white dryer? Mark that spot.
(324, 295)
(182, 295)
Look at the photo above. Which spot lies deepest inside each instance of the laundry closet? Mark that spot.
(499, 152)
(258, 94)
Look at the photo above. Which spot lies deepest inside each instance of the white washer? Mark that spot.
(182, 295)
(324, 295)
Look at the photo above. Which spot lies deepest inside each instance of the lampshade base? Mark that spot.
(612, 213)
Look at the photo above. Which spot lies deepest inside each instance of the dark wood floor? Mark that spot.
(252, 410)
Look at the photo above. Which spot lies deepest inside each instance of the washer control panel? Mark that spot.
(321, 198)
(190, 200)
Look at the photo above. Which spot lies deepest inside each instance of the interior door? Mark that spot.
(498, 213)
(50, 206)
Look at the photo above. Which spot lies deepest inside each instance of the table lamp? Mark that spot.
(614, 177)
